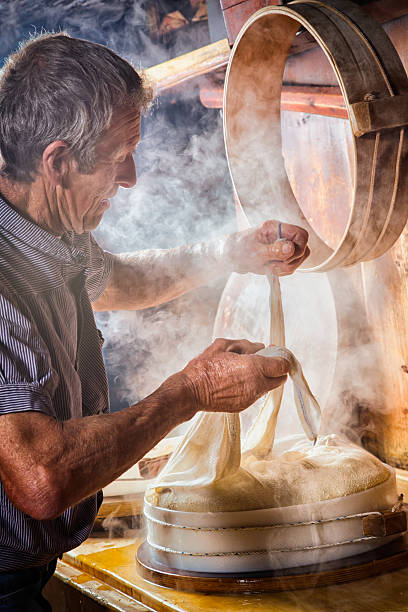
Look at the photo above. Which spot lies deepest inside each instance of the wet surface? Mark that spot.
(114, 562)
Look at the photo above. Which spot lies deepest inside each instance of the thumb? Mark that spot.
(280, 249)
(273, 367)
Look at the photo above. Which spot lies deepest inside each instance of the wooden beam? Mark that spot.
(185, 67)
(326, 101)
(207, 59)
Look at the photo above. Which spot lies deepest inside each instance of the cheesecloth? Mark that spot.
(208, 471)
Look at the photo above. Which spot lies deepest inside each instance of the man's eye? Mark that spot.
(122, 158)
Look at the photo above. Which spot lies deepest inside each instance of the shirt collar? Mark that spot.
(31, 234)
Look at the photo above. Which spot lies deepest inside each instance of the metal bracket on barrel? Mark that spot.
(377, 114)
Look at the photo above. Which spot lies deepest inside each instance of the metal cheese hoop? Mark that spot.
(375, 89)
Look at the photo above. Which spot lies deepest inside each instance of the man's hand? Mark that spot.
(47, 466)
(259, 249)
(149, 278)
(228, 377)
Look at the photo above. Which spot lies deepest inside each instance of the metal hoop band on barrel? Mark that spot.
(375, 89)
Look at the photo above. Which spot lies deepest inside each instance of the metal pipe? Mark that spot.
(326, 101)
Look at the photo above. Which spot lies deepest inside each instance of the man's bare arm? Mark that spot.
(47, 466)
(148, 278)
(152, 277)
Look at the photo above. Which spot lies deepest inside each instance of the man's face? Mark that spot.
(84, 198)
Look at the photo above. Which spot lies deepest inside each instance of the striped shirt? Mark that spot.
(50, 361)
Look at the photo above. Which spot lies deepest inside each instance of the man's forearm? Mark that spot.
(152, 277)
(47, 466)
(77, 458)
(149, 278)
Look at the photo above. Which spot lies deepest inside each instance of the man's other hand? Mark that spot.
(228, 377)
(260, 249)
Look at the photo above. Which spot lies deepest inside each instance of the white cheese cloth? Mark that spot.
(211, 448)
(208, 473)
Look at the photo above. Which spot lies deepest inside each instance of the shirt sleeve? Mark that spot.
(99, 269)
(27, 379)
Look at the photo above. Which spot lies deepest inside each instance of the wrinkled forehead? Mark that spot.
(124, 131)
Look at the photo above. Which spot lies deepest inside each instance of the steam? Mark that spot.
(183, 195)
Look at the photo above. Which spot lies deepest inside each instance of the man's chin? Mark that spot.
(92, 224)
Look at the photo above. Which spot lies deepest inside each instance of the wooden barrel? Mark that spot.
(375, 90)
(317, 186)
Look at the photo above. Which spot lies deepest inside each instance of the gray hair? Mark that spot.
(60, 88)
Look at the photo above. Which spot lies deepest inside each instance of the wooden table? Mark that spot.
(106, 571)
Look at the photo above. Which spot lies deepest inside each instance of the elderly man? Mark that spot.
(70, 114)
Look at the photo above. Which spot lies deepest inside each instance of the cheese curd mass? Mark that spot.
(302, 474)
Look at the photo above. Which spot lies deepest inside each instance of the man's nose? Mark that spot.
(126, 176)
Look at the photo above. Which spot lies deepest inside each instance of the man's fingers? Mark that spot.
(295, 234)
(229, 382)
(245, 347)
(268, 233)
(296, 262)
(222, 345)
(299, 255)
(281, 250)
(273, 367)
(289, 246)
(277, 382)
(284, 268)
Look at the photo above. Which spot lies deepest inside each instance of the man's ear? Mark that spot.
(55, 160)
